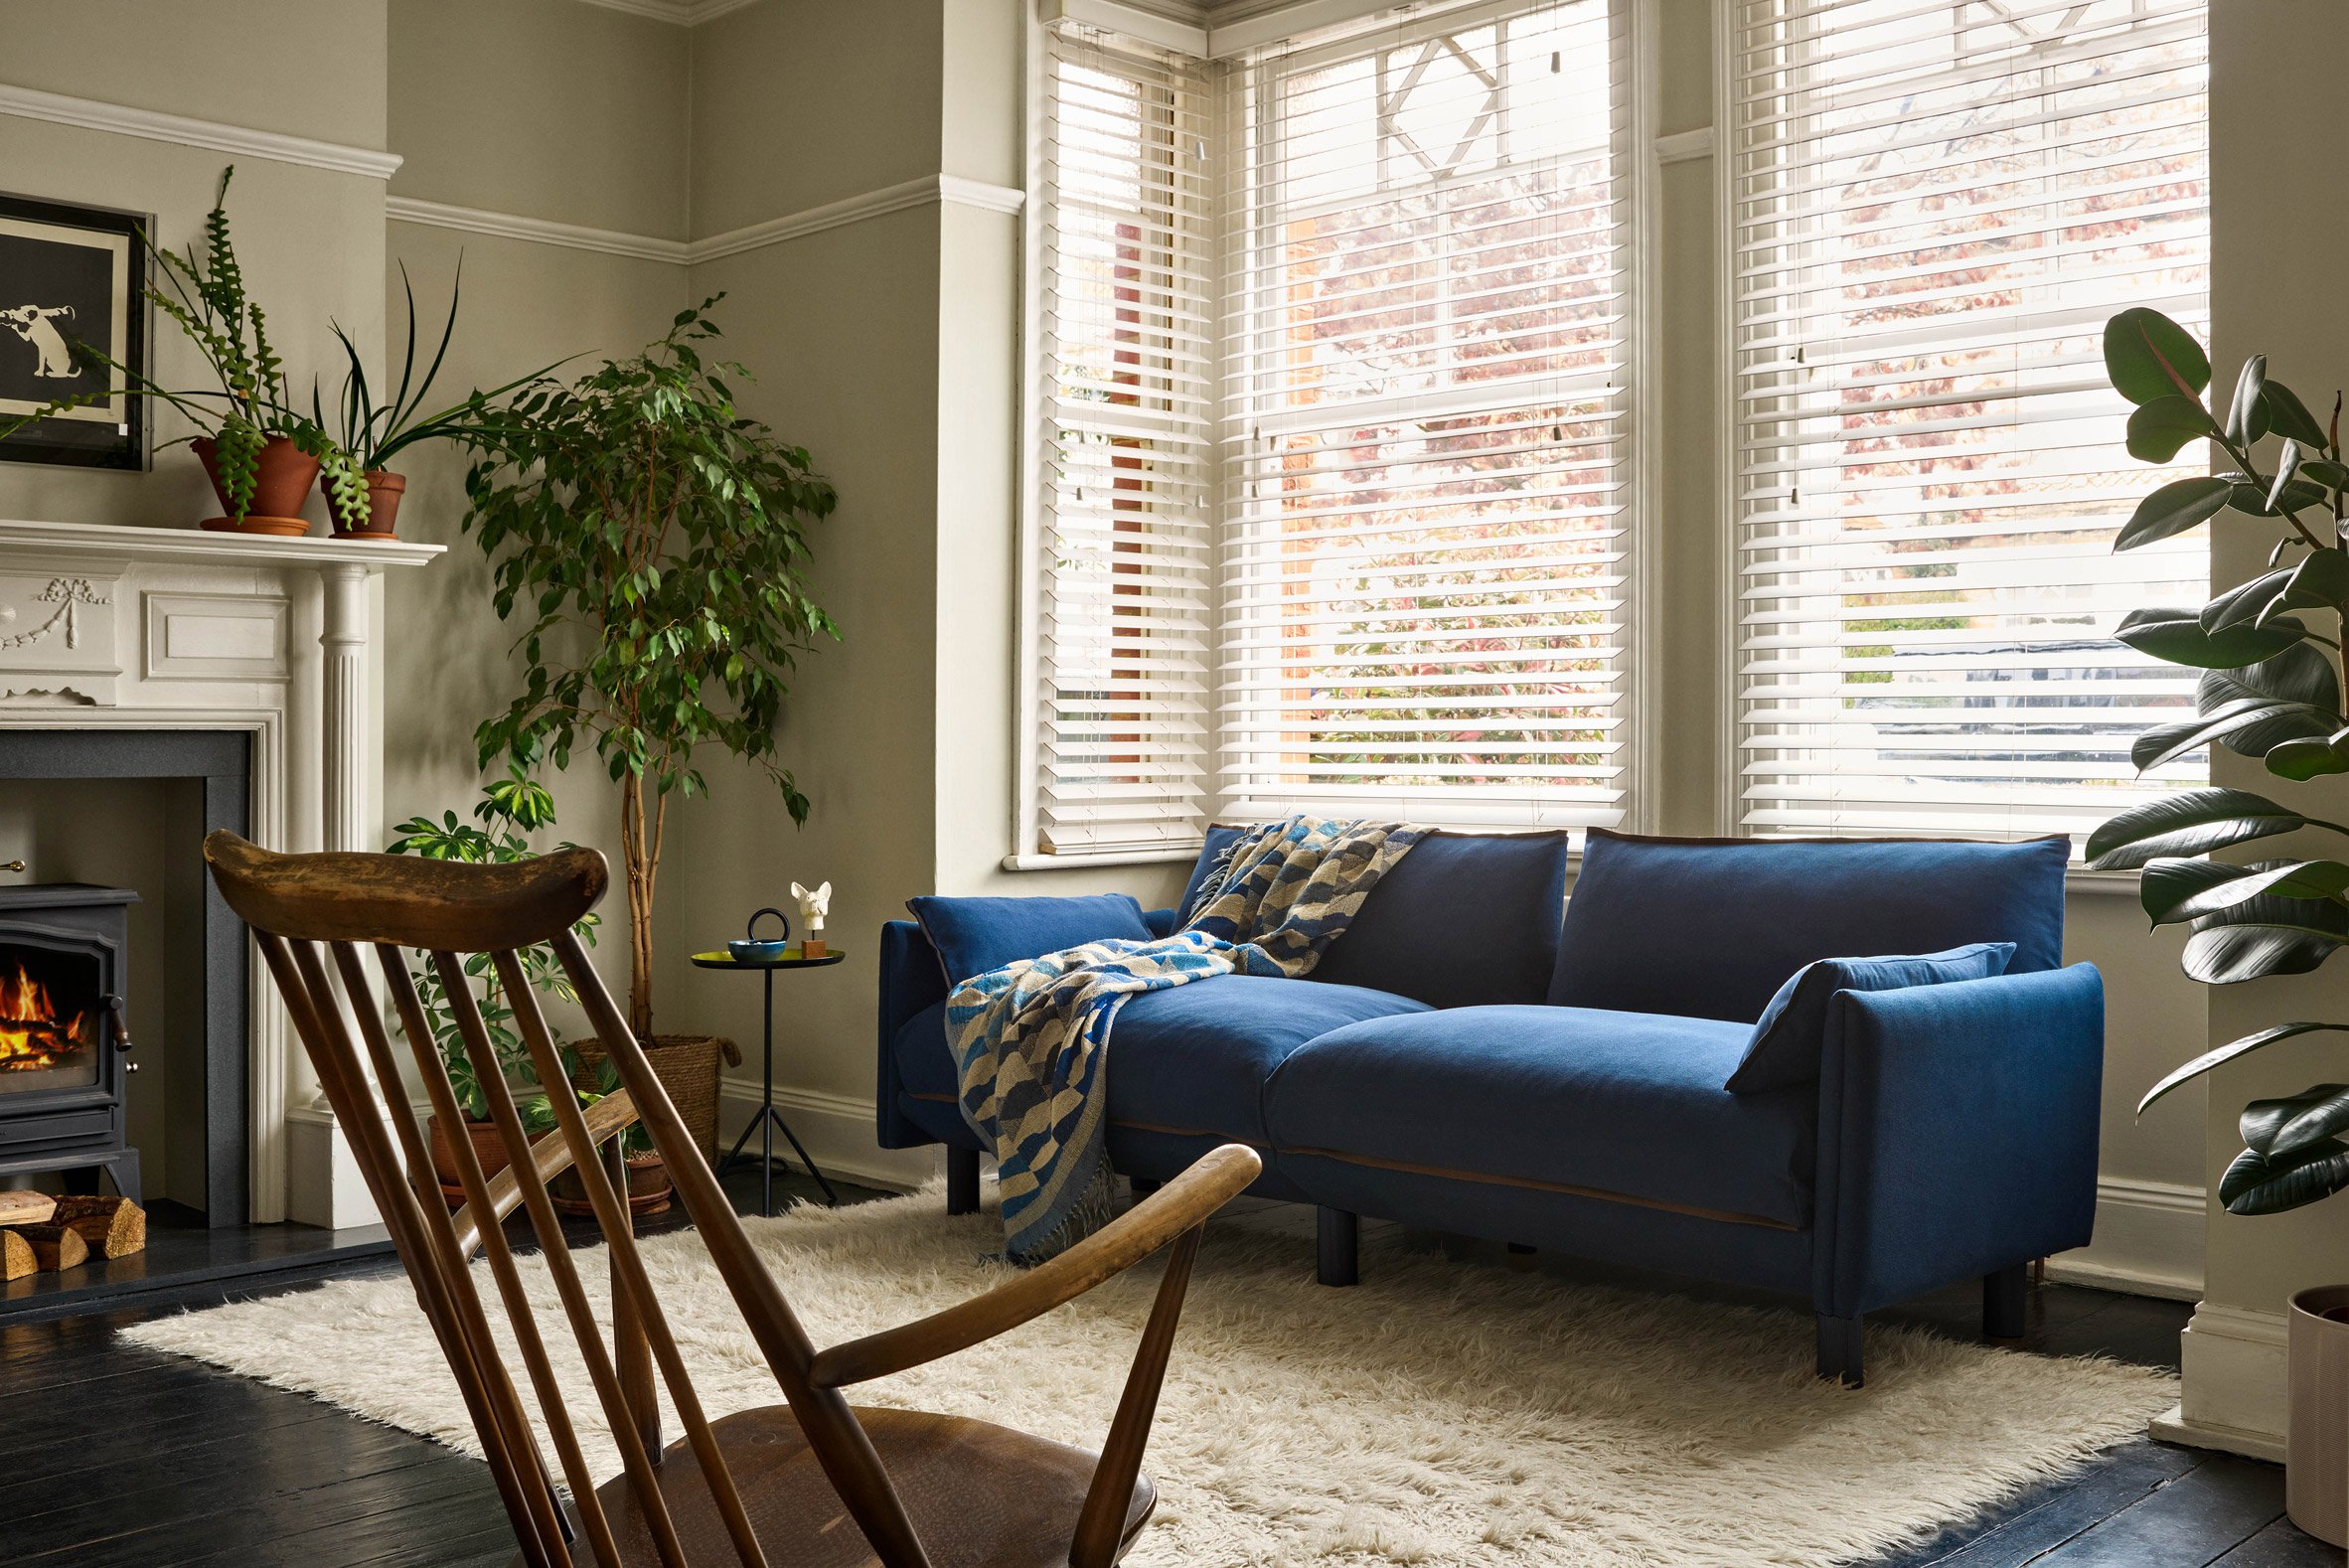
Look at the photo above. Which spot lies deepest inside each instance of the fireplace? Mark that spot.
(65, 1061)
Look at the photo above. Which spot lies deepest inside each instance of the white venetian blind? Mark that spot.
(1121, 660)
(1936, 204)
(1423, 438)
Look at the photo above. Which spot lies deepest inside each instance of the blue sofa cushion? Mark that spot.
(1194, 1059)
(1463, 918)
(1627, 1105)
(976, 935)
(1787, 1042)
(1191, 1059)
(1712, 927)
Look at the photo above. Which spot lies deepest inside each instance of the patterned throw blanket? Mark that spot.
(1031, 1041)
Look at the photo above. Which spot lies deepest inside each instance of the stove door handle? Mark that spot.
(117, 1023)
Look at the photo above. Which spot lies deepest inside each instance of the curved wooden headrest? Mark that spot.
(446, 905)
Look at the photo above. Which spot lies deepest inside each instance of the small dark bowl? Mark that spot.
(747, 950)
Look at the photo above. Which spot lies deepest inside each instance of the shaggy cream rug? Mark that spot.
(1440, 1413)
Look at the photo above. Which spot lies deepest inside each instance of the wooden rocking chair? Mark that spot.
(811, 1484)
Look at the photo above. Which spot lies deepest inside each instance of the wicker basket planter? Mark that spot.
(687, 1065)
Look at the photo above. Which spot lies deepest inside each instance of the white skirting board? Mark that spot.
(2148, 1241)
(837, 1130)
(2235, 1383)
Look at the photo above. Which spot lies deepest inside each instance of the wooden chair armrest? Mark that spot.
(607, 1116)
(1181, 1205)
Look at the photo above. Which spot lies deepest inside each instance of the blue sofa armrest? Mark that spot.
(911, 979)
(1957, 1132)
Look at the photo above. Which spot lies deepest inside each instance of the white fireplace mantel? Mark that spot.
(123, 627)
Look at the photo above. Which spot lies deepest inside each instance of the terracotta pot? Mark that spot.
(487, 1149)
(383, 491)
(2316, 1441)
(649, 1188)
(282, 484)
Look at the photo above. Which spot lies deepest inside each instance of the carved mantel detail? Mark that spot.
(116, 627)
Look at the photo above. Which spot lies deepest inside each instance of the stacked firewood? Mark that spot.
(40, 1233)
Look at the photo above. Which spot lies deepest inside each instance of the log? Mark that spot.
(53, 1247)
(26, 1208)
(114, 1228)
(16, 1256)
(117, 1221)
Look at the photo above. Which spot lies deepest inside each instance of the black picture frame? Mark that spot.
(82, 274)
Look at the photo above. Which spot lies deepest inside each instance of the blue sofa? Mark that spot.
(1477, 1054)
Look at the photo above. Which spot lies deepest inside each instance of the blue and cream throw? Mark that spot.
(1031, 1041)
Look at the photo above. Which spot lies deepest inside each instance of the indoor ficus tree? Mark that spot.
(2269, 652)
(656, 541)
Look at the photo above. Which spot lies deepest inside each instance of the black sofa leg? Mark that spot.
(1839, 1355)
(2005, 1297)
(1335, 1258)
(1143, 1187)
(961, 1181)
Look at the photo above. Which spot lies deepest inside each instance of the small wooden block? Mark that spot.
(26, 1208)
(114, 1228)
(55, 1247)
(16, 1256)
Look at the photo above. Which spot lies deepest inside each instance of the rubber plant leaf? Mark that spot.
(2219, 1055)
(2165, 742)
(2300, 680)
(2173, 509)
(2192, 822)
(2256, 1185)
(2264, 935)
(2248, 415)
(2186, 889)
(2246, 602)
(2295, 1122)
(2289, 418)
(2160, 429)
(2177, 636)
(2147, 355)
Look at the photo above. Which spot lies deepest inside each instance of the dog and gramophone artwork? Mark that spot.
(72, 279)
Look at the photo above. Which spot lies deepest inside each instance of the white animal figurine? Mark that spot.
(812, 904)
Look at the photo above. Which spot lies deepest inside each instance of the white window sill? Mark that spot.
(1081, 859)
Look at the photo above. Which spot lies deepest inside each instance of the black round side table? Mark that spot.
(768, 1118)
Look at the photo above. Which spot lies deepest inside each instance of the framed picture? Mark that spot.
(71, 276)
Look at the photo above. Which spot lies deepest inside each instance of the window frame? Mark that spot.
(1635, 165)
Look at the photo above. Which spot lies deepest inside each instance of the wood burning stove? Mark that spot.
(64, 1036)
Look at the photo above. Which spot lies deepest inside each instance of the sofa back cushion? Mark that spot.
(1711, 928)
(1786, 1045)
(1462, 920)
(975, 935)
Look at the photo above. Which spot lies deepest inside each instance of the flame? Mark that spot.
(32, 1033)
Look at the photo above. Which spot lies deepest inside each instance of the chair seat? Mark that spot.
(980, 1495)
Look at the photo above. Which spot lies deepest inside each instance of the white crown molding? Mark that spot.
(1686, 146)
(236, 140)
(943, 188)
(540, 230)
(684, 13)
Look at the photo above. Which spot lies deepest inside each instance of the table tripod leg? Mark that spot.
(830, 1196)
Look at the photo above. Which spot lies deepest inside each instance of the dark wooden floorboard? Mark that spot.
(224, 1470)
(2193, 1521)
(2044, 1518)
(2280, 1545)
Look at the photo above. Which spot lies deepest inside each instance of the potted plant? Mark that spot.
(509, 811)
(372, 434)
(259, 454)
(2270, 688)
(655, 541)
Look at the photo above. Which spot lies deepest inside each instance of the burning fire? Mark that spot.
(31, 1034)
